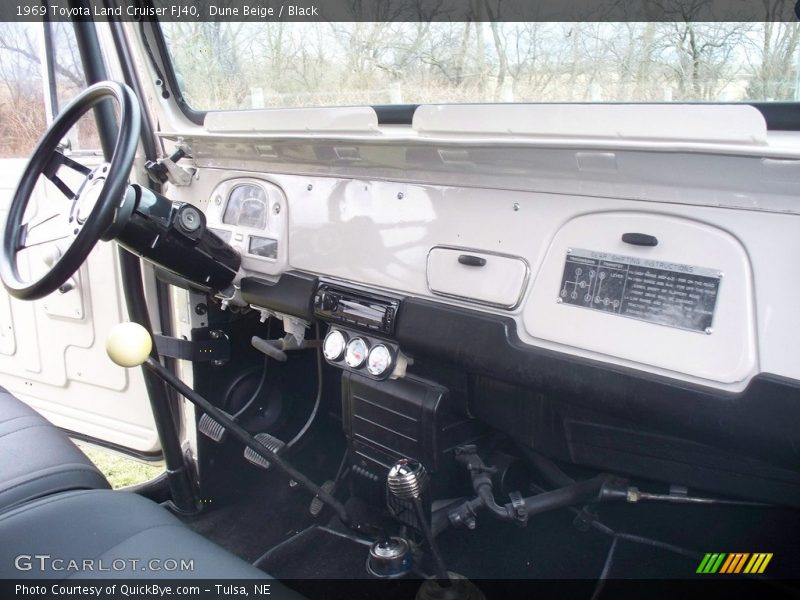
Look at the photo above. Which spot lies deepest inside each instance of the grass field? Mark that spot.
(120, 471)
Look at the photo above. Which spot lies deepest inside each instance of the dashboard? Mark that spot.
(665, 289)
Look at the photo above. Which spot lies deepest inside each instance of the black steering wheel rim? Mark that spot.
(90, 231)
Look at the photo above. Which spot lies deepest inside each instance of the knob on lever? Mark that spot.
(407, 480)
(129, 344)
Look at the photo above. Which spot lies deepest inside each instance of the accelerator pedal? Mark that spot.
(270, 442)
(316, 504)
(211, 428)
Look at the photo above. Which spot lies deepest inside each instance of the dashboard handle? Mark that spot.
(640, 239)
(471, 261)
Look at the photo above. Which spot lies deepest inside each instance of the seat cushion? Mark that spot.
(121, 534)
(37, 458)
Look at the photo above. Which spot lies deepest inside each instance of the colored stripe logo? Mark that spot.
(734, 563)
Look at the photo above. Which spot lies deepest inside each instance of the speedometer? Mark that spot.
(246, 207)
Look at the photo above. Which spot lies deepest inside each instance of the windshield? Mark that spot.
(225, 65)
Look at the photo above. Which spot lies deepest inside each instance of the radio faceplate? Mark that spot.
(362, 310)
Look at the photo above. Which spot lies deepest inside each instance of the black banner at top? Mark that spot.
(402, 10)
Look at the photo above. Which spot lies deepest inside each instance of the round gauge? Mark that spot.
(246, 207)
(379, 360)
(356, 353)
(333, 346)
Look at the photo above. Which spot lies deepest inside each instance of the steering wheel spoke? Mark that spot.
(59, 158)
(50, 229)
(62, 187)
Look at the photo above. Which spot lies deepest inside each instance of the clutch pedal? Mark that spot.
(211, 428)
(316, 504)
(270, 442)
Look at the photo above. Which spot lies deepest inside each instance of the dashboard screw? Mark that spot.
(310, 187)
(516, 206)
(400, 195)
(201, 309)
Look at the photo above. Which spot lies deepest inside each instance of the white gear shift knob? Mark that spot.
(129, 344)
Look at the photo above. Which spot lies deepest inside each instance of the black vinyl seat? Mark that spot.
(38, 459)
(121, 534)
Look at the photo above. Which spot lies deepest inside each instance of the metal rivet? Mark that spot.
(516, 206)
(559, 300)
(310, 187)
(709, 331)
(400, 195)
(720, 274)
(569, 250)
(276, 209)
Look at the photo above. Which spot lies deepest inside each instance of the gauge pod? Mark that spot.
(356, 353)
(333, 346)
(379, 360)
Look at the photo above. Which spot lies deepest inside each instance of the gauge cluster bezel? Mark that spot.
(274, 235)
(372, 342)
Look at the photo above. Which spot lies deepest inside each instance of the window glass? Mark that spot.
(224, 65)
(69, 82)
(22, 106)
(22, 101)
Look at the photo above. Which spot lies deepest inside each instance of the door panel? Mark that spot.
(52, 351)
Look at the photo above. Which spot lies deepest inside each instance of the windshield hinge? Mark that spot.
(167, 169)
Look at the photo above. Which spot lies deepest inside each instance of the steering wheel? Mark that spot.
(87, 213)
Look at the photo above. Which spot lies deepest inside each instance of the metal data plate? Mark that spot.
(671, 294)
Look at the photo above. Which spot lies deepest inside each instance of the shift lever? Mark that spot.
(129, 345)
(407, 481)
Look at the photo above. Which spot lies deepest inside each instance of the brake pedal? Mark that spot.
(270, 442)
(211, 428)
(316, 504)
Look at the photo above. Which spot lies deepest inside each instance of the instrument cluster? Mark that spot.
(361, 353)
(250, 215)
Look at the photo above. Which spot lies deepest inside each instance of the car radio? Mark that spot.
(356, 309)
